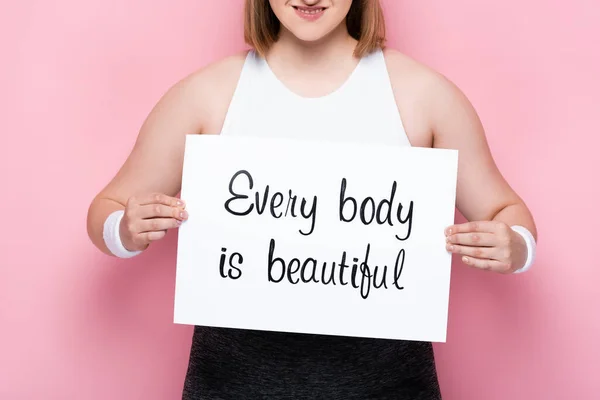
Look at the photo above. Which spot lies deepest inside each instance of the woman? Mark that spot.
(317, 69)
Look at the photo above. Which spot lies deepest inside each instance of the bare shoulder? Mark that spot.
(224, 71)
(205, 93)
(436, 96)
(404, 68)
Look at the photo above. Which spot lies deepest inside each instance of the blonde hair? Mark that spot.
(365, 23)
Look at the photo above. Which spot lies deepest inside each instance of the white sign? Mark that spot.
(316, 237)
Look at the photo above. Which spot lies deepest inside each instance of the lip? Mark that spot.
(309, 13)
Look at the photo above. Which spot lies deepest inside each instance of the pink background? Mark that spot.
(82, 76)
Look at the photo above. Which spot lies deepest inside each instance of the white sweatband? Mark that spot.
(112, 238)
(530, 242)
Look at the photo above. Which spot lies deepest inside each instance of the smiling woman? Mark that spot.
(317, 69)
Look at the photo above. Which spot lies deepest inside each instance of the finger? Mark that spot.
(149, 237)
(485, 264)
(471, 251)
(158, 198)
(158, 224)
(472, 227)
(160, 211)
(472, 239)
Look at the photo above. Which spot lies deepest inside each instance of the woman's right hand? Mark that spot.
(147, 219)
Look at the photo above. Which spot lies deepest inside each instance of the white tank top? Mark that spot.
(363, 109)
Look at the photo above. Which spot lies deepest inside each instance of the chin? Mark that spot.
(310, 35)
(311, 23)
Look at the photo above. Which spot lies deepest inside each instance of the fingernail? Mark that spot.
(183, 214)
(180, 203)
(465, 260)
(449, 231)
(179, 222)
(450, 248)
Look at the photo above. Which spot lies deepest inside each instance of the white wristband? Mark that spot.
(531, 247)
(112, 238)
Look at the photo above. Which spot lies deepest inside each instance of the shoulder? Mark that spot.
(432, 91)
(204, 94)
(213, 78)
(223, 71)
(406, 70)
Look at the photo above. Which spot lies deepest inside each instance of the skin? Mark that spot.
(314, 59)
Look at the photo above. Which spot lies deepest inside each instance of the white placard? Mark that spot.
(266, 247)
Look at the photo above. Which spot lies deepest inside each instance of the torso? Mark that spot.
(410, 82)
(369, 105)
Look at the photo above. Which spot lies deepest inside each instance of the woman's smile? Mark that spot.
(309, 13)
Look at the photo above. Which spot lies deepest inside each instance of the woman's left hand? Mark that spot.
(488, 245)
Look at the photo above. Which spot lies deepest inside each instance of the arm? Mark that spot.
(483, 195)
(145, 187)
(146, 184)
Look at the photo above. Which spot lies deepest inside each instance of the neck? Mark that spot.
(317, 55)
